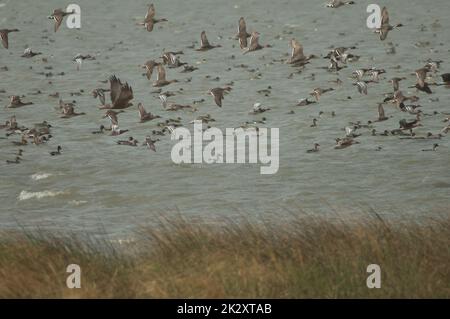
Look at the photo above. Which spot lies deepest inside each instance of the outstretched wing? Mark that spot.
(253, 42)
(384, 16)
(421, 75)
(58, 16)
(126, 95)
(150, 13)
(149, 25)
(116, 87)
(381, 111)
(384, 32)
(242, 41)
(161, 73)
(4, 36)
(142, 111)
(113, 118)
(297, 50)
(101, 96)
(218, 96)
(242, 28)
(204, 40)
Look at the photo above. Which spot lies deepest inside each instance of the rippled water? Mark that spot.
(96, 184)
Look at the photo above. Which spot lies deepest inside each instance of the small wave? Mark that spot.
(24, 195)
(39, 176)
(77, 202)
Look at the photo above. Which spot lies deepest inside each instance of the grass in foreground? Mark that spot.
(306, 257)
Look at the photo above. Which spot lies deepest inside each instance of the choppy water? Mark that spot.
(96, 184)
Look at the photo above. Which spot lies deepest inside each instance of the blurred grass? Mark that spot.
(305, 257)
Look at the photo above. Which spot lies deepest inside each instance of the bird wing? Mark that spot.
(242, 28)
(218, 97)
(204, 40)
(161, 73)
(149, 65)
(421, 75)
(149, 25)
(142, 111)
(150, 13)
(381, 111)
(4, 36)
(242, 41)
(297, 49)
(116, 86)
(384, 16)
(58, 17)
(384, 32)
(126, 95)
(113, 118)
(101, 96)
(253, 42)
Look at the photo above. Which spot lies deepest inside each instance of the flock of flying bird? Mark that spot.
(121, 94)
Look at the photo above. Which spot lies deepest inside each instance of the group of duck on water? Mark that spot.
(121, 94)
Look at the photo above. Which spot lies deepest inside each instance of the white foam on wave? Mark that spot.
(39, 176)
(25, 195)
(77, 202)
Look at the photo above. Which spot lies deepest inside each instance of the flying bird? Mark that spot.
(218, 94)
(58, 15)
(121, 94)
(4, 35)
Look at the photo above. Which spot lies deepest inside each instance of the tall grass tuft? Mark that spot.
(304, 257)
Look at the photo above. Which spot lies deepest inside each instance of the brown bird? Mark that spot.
(381, 115)
(174, 106)
(297, 56)
(204, 43)
(130, 142)
(121, 94)
(149, 66)
(404, 125)
(218, 94)
(254, 43)
(242, 33)
(421, 85)
(317, 92)
(150, 143)
(4, 35)
(112, 115)
(149, 20)
(385, 26)
(161, 79)
(68, 111)
(144, 115)
(58, 15)
(15, 101)
(396, 83)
